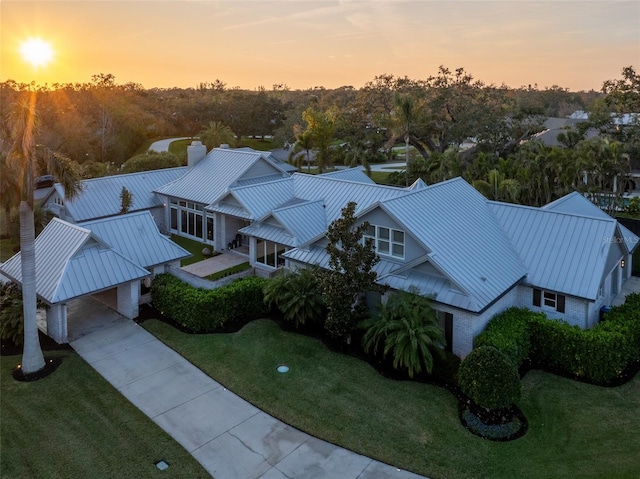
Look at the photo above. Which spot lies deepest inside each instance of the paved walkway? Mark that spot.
(632, 285)
(231, 438)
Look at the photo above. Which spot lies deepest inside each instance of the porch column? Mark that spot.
(252, 250)
(57, 323)
(128, 297)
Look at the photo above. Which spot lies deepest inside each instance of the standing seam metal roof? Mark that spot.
(563, 252)
(71, 261)
(100, 197)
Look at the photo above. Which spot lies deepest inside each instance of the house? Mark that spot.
(473, 257)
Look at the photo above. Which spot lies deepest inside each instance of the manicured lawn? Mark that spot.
(193, 247)
(380, 177)
(73, 424)
(257, 143)
(576, 430)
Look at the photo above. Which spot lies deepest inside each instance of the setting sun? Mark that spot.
(36, 51)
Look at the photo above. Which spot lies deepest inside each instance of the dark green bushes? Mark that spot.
(489, 378)
(598, 355)
(202, 311)
(509, 332)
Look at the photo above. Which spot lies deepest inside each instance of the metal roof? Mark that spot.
(100, 197)
(211, 177)
(71, 262)
(258, 199)
(136, 237)
(575, 203)
(563, 252)
(349, 174)
(465, 242)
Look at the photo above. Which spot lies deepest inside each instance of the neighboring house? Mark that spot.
(113, 253)
(473, 257)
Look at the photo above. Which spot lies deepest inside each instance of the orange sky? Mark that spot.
(330, 43)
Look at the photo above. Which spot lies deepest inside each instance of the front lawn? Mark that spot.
(575, 429)
(74, 424)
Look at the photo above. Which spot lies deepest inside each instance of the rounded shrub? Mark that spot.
(489, 378)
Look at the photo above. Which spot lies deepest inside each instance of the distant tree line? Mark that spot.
(102, 124)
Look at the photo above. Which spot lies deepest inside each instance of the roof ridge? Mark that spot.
(545, 210)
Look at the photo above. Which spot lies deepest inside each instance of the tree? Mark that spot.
(24, 124)
(297, 295)
(350, 274)
(407, 113)
(217, 134)
(406, 328)
(126, 201)
(302, 148)
(151, 160)
(321, 125)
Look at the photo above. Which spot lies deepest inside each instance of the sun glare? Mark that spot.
(37, 52)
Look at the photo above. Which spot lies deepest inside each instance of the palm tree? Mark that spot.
(406, 113)
(407, 328)
(302, 148)
(357, 154)
(24, 124)
(217, 134)
(297, 295)
(9, 192)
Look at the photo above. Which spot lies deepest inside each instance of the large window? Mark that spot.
(187, 219)
(387, 241)
(269, 253)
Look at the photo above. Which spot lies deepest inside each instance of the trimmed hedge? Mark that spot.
(203, 311)
(598, 355)
(509, 333)
(489, 378)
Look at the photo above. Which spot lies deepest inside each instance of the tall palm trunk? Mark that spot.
(32, 358)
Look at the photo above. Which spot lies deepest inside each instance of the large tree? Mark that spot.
(350, 274)
(24, 124)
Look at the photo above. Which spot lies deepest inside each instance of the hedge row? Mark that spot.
(203, 311)
(597, 355)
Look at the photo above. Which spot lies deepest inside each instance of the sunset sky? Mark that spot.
(330, 43)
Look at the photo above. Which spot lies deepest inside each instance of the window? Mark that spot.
(549, 300)
(387, 241)
(187, 218)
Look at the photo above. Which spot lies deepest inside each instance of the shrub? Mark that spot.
(297, 296)
(489, 378)
(200, 310)
(509, 333)
(11, 316)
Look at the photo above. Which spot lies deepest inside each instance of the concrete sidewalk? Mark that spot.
(231, 438)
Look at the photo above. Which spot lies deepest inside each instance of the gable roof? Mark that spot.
(575, 203)
(462, 237)
(100, 197)
(255, 200)
(563, 252)
(208, 179)
(71, 262)
(136, 237)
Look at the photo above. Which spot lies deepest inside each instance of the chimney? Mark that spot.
(224, 145)
(196, 151)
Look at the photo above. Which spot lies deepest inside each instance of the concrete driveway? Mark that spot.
(231, 438)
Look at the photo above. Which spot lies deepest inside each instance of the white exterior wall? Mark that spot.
(57, 323)
(128, 299)
(577, 311)
(467, 325)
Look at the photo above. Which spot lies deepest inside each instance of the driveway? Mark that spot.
(163, 145)
(230, 437)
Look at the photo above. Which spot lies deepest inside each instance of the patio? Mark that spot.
(220, 262)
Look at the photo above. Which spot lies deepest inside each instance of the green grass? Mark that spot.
(256, 143)
(229, 271)
(74, 424)
(179, 147)
(576, 430)
(193, 247)
(380, 177)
